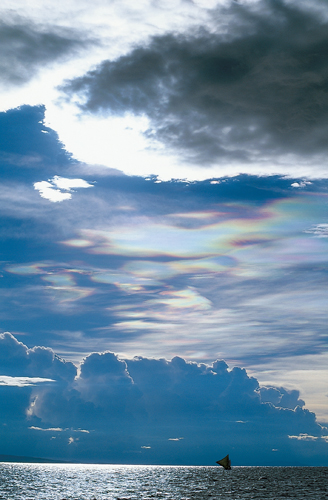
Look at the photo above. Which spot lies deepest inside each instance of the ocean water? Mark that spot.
(124, 482)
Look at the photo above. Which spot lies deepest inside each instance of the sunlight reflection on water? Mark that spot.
(123, 482)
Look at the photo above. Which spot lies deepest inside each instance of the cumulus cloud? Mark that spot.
(253, 93)
(281, 397)
(128, 403)
(17, 360)
(105, 381)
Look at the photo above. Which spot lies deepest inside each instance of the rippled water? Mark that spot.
(113, 482)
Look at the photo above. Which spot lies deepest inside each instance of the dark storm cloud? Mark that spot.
(257, 90)
(24, 48)
(183, 412)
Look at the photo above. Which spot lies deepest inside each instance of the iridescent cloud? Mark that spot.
(278, 232)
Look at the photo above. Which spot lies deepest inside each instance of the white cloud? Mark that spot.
(51, 429)
(319, 230)
(304, 437)
(57, 429)
(22, 381)
(47, 189)
(48, 192)
(69, 184)
(300, 184)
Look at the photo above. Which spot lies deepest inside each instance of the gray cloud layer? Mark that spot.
(24, 48)
(253, 93)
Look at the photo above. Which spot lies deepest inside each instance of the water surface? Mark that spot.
(118, 482)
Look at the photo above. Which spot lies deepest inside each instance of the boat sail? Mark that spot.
(225, 462)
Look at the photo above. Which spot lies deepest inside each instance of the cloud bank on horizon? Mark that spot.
(150, 411)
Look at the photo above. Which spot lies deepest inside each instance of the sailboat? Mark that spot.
(225, 462)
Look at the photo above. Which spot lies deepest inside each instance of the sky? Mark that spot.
(164, 230)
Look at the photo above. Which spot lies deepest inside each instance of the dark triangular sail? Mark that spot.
(225, 462)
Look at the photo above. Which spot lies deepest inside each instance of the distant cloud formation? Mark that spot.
(116, 406)
(56, 429)
(16, 360)
(306, 437)
(251, 93)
